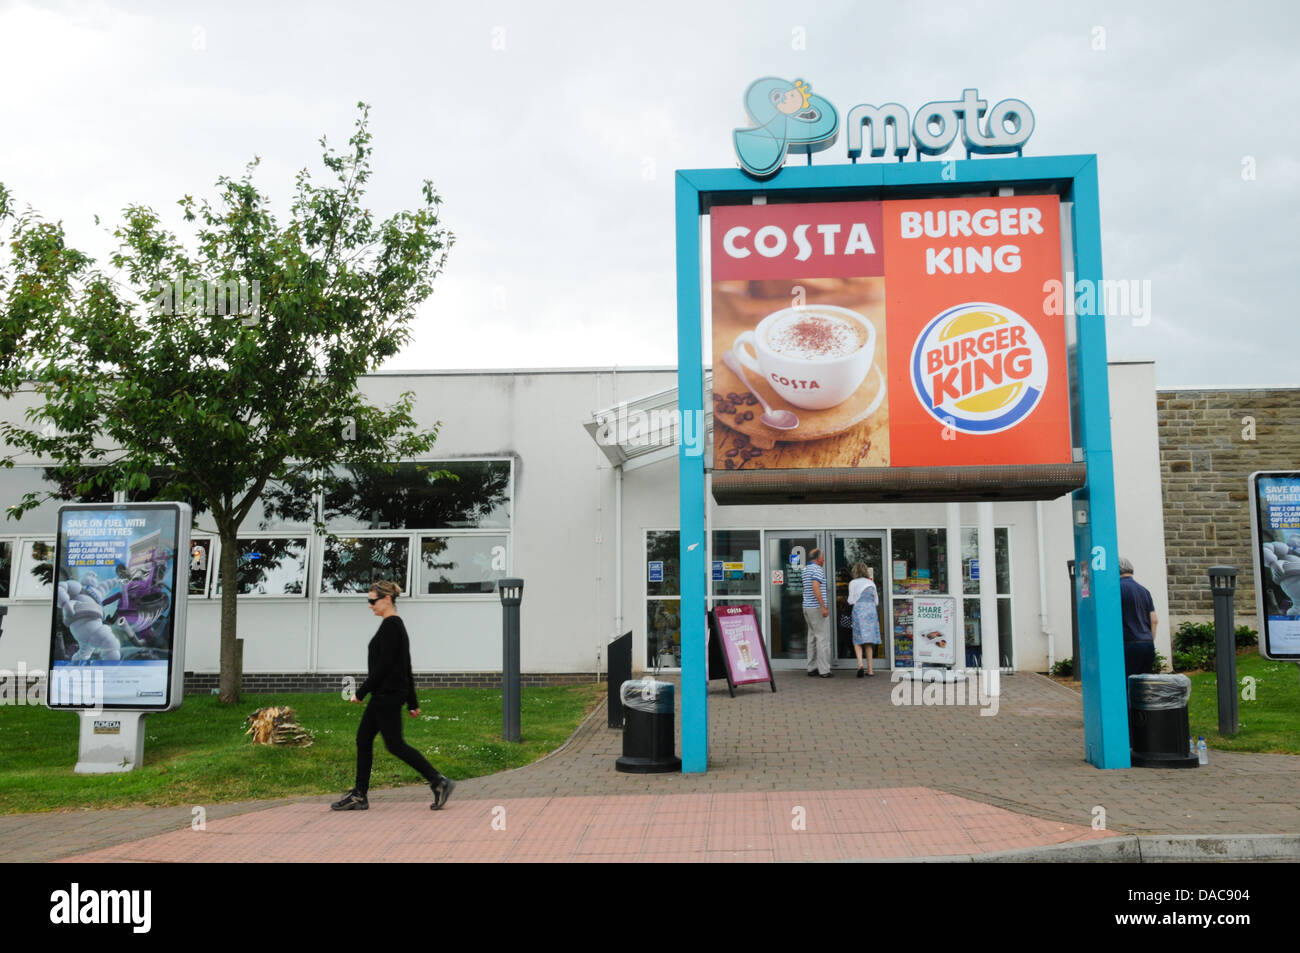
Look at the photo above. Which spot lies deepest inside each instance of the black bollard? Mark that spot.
(1223, 582)
(620, 671)
(512, 594)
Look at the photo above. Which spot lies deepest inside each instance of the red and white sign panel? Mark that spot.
(899, 333)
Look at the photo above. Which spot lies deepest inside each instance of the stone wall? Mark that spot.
(1206, 454)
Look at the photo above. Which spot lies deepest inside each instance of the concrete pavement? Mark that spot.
(824, 769)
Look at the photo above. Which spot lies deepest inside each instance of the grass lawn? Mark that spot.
(1269, 723)
(200, 754)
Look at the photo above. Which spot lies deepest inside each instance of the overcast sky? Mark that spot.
(552, 132)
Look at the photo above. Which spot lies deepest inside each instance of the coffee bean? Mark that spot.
(731, 464)
(751, 399)
(741, 440)
(732, 452)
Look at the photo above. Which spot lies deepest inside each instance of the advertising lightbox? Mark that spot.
(891, 334)
(1275, 535)
(117, 634)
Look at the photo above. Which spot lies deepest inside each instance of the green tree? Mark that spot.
(225, 364)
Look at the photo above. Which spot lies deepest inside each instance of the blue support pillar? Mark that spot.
(1101, 640)
(690, 460)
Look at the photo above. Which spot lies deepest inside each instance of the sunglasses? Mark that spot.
(374, 600)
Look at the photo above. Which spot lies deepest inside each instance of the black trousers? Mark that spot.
(384, 717)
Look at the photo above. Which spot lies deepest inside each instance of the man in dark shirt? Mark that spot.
(1139, 615)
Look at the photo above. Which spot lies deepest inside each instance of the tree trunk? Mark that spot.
(231, 674)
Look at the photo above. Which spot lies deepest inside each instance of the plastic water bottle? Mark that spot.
(1202, 752)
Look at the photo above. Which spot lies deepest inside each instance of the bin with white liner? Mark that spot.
(1157, 721)
(648, 746)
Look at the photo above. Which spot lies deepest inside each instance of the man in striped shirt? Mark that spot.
(816, 615)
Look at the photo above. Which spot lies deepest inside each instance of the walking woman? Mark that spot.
(866, 620)
(389, 682)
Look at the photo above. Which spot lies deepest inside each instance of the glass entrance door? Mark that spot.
(786, 556)
(847, 550)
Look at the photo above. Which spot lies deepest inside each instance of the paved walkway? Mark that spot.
(865, 777)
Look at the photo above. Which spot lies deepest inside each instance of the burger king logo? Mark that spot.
(979, 368)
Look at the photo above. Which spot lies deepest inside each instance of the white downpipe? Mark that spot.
(1042, 587)
(955, 584)
(618, 551)
(990, 647)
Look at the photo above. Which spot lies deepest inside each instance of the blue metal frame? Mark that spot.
(1105, 701)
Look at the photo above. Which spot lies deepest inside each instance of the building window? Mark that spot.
(457, 494)
(352, 564)
(35, 569)
(274, 566)
(457, 564)
(6, 566)
(738, 551)
(971, 584)
(201, 568)
(467, 501)
(663, 599)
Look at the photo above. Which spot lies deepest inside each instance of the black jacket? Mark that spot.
(389, 674)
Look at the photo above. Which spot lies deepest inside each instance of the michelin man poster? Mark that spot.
(116, 605)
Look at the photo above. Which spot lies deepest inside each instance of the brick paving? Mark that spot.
(813, 741)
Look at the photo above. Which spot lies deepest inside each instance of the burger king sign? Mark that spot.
(979, 368)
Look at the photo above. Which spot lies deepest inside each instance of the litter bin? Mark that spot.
(648, 746)
(1157, 721)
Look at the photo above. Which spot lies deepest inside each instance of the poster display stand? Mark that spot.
(117, 626)
(736, 648)
(934, 639)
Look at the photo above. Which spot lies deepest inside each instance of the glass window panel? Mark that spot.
(974, 639)
(921, 553)
(475, 496)
(663, 633)
(352, 564)
(271, 567)
(738, 551)
(970, 550)
(200, 561)
(1003, 547)
(661, 545)
(35, 569)
(970, 539)
(283, 504)
(6, 564)
(461, 563)
(1004, 631)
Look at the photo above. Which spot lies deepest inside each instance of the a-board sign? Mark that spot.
(1275, 534)
(934, 635)
(117, 631)
(741, 643)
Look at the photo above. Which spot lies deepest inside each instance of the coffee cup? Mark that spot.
(814, 357)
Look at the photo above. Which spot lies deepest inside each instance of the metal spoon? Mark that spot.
(776, 419)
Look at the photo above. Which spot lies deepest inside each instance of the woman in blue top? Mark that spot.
(866, 621)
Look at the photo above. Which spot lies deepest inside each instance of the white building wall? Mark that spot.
(563, 536)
